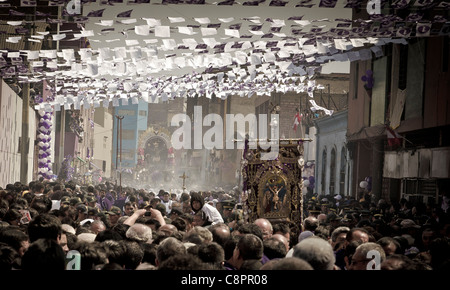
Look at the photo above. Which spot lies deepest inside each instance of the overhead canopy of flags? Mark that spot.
(156, 50)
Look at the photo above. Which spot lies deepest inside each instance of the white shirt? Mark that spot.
(168, 205)
(212, 213)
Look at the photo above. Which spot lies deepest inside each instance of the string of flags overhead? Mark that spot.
(127, 57)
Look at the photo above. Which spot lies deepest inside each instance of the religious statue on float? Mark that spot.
(274, 199)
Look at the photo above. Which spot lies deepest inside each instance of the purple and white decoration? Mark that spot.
(44, 144)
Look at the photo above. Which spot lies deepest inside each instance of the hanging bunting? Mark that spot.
(235, 54)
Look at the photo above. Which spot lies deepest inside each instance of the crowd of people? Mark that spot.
(61, 225)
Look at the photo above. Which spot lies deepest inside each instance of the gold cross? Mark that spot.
(184, 176)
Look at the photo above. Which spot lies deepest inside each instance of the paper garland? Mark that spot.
(259, 56)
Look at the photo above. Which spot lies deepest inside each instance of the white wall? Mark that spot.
(103, 138)
(10, 131)
(310, 147)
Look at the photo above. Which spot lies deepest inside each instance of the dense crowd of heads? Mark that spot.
(62, 225)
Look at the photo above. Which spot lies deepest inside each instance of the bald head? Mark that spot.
(220, 232)
(266, 226)
(310, 224)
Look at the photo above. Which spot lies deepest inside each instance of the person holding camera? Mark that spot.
(148, 212)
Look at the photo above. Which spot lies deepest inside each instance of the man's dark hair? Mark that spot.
(149, 253)
(440, 253)
(229, 246)
(13, 237)
(108, 234)
(44, 254)
(9, 258)
(38, 186)
(179, 223)
(282, 228)
(162, 208)
(155, 222)
(92, 254)
(42, 205)
(121, 229)
(211, 253)
(12, 215)
(251, 265)
(169, 247)
(184, 262)
(116, 251)
(349, 236)
(134, 254)
(386, 241)
(45, 226)
(250, 247)
(274, 248)
(403, 263)
(250, 229)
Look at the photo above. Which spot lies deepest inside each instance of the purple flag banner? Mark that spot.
(125, 14)
(96, 13)
(227, 2)
(423, 29)
(328, 3)
(278, 3)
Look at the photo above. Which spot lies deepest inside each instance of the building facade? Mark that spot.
(333, 174)
(410, 95)
(129, 121)
(102, 146)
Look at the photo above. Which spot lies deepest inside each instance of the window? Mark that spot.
(415, 79)
(324, 169)
(342, 170)
(420, 190)
(332, 171)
